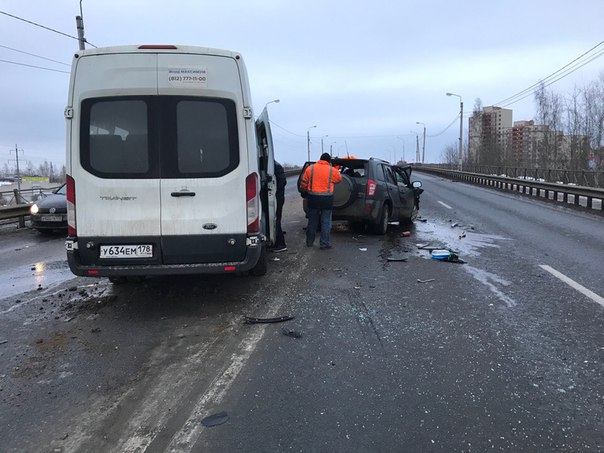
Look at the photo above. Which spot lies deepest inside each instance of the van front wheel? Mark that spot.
(262, 265)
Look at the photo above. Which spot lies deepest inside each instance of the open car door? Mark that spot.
(268, 182)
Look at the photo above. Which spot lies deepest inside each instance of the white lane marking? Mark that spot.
(185, 439)
(191, 431)
(153, 416)
(582, 289)
(445, 205)
(490, 280)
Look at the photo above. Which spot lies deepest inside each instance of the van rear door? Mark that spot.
(203, 159)
(112, 159)
(268, 182)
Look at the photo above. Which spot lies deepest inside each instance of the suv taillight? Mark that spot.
(371, 186)
(253, 203)
(71, 201)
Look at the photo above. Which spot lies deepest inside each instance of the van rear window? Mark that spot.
(117, 142)
(158, 137)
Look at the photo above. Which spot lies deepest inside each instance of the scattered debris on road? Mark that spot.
(252, 320)
(406, 233)
(446, 255)
(425, 281)
(363, 249)
(215, 419)
(396, 258)
(462, 235)
(291, 333)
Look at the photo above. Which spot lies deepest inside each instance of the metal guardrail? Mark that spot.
(585, 178)
(561, 193)
(14, 211)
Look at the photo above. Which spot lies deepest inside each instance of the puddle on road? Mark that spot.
(447, 236)
(466, 243)
(38, 275)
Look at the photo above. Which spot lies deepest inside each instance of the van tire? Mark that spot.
(262, 265)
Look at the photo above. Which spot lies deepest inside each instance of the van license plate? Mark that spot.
(127, 251)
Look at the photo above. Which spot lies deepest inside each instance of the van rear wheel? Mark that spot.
(262, 265)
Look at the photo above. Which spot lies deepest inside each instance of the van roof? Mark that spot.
(159, 48)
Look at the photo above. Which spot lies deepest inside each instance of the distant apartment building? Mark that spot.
(495, 140)
(489, 134)
(527, 142)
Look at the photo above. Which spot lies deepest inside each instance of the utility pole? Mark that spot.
(80, 27)
(417, 149)
(423, 142)
(18, 170)
(308, 141)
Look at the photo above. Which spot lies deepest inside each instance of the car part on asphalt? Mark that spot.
(215, 419)
(291, 333)
(252, 320)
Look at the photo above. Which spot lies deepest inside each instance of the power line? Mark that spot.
(555, 80)
(445, 129)
(42, 26)
(33, 66)
(565, 72)
(34, 55)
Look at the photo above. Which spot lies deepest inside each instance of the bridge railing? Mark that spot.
(570, 193)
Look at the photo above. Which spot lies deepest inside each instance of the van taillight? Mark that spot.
(71, 201)
(253, 203)
(371, 186)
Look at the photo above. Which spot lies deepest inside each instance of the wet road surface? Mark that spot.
(416, 355)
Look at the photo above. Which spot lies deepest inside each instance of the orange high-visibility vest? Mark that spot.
(319, 178)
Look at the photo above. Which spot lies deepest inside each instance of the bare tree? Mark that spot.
(450, 155)
(549, 113)
(6, 170)
(44, 169)
(29, 170)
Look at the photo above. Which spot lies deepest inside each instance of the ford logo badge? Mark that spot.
(209, 226)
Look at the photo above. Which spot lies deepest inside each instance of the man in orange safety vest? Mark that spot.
(318, 183)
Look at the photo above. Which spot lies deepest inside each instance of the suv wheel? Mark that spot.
(382, 226)
(411, 218)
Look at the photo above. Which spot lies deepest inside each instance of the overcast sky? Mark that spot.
(363, 72)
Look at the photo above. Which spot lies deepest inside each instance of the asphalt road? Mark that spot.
(504, 352)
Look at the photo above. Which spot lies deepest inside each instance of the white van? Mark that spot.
(167, 171)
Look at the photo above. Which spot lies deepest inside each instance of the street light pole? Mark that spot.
(276, 101)
(331, 148)
(416, 146)
(308, 141)
(423, 143)
(322, 143)
(459, 165)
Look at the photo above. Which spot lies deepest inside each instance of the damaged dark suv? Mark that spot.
(373, 192)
